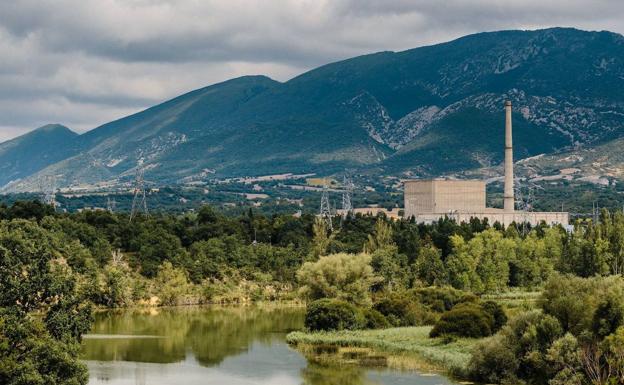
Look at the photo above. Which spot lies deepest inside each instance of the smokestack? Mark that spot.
(509, 176)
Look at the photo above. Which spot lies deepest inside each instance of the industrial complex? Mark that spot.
(429, 200)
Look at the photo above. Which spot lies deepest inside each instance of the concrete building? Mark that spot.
(429, 200)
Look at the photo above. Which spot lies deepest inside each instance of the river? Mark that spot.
(215, 345)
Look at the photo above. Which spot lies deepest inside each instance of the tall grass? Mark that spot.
(515, 301)
(449, 355)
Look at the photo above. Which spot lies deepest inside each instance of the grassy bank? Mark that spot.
(401, 348)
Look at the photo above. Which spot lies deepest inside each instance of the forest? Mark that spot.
(369, 273)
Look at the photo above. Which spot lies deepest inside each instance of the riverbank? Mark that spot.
(408, 348)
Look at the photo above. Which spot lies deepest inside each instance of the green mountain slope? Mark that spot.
(31, 152)
(426, 111)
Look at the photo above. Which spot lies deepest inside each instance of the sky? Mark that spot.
(83, 63)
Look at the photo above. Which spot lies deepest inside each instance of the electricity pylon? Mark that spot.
(326, 213)
(47, 185)
(111, 204)
(347, 195)
(139, 201)
(525, 195)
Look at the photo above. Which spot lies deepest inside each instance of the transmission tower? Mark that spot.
(326, 213)
(525, 196)
(139, 201)
(347, 195)
(47, 185)
(111, 204)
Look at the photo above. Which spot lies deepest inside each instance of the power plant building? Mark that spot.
(429, 200)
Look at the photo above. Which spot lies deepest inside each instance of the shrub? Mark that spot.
(499, 318)
(493, 362)
(464, 320)
(441, 299)
(612, 348)
(374, 319)
(333, 314)
(400, 310)
(518, 352)
(171, 284)
(608, 317)
(342, 276)
(575, 301)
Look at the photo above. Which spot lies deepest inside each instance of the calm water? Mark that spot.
(214, 345)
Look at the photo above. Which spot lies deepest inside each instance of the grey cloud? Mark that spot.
(84, 62)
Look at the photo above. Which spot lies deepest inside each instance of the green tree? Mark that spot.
(461, 266)
(429, 267)
(116, 286)
(321, 239)
(156, 246)
(381, 237)
(35, 277)
(481, 264)
(171, 284)
(348, 277)
(392, 267)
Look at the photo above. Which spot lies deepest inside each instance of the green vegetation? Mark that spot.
(42, 313)
(402, 344)
(333, 314)
(370, 273)
(342, 276)
(470, 320)
(575, 339)
(570, 338)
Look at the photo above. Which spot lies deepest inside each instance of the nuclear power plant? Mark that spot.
(429, 200)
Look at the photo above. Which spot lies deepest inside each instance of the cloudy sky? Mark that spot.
(83, 63)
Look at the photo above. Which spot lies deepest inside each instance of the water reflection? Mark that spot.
(216, 345)
(167, 335)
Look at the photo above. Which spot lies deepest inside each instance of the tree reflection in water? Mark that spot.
(215, 346)
(166, 335)
(316, 374)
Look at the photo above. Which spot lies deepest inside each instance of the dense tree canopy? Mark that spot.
(57, 264)
(35, 277)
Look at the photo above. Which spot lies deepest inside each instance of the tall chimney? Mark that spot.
(509, 176)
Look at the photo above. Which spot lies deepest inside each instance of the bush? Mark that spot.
(464, 320)
(400, 310)
(333, 314)
(374, 319)
(499, 318)
(342, 276)
(574, 301)
(608, 317)
(493, 362)
(518, 352)
(441, 299)
(171, 284)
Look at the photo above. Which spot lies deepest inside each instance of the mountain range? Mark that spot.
(429, 111)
